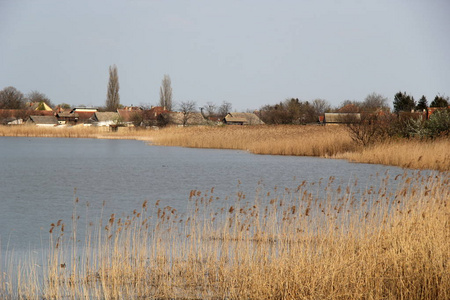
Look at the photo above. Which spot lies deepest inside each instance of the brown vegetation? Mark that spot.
(321, 141)
(289, 244)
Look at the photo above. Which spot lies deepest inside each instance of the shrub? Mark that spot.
(439, 124)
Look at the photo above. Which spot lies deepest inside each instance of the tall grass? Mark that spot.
(415, 154)
(276, 140)
(317, 241)
(321, 141)
(75, 132)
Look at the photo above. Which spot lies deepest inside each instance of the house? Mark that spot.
(39, 106)
(341, 118)
(12, 116)
(105, 118)
(192, 118)
(84, 114)
(236, 118)
(43, 121)
(129, 116)
(67, 118)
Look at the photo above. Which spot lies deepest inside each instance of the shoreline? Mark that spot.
(323, 142)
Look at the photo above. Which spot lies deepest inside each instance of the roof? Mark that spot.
(195, 118)
(105, 116)
(39, 106)
(44, 120)
(66, 114)
(127, 115)
(229, 119)
(84, 115)
(342, 117)
(247, 118)
(84, 109)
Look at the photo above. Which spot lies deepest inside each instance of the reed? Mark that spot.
(75, 132)
(275, 140)
(414, 154)
(321, 141)
(319, 240)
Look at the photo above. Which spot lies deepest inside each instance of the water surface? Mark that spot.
(41, 177)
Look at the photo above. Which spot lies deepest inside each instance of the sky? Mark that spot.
(248, 53)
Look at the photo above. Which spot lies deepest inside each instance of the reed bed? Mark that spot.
(275, 140)
(75, 132)
(317, 241)
(413, 154)
(321, 141)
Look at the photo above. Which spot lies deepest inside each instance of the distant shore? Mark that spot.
(319, 141)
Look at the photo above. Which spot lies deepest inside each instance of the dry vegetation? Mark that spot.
(74, 132)
(414, 154)
(319, 241)
(321, 141)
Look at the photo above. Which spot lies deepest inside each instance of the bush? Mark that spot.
(439, 124)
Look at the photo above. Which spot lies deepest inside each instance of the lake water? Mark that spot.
(41, 177)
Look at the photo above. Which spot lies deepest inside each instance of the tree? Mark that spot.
(165, 93)
(64, 106)
(320, 106)
(440, 101)
(38, 97)
(403, 102)
(422, 104)
(224, 109)
(187, 108)
(11, 98)
(374, 102)
(210, 109)
(112, 96)
(439, 123)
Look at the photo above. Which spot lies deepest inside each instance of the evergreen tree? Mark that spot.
(440, 101)
(403, 102)
(422, 104)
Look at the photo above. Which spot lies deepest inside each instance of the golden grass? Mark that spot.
(415, 154)
(290, 244)
(321, 141)
(275, 140)
(75, 132)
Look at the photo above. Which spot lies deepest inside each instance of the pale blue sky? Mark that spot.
(249, 53)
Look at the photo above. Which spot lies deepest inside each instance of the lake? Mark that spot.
(41, 177)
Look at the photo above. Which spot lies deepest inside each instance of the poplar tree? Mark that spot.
(165, 93)
(112, 96)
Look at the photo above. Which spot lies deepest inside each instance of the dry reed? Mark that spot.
(321, 141)
(414, 154)
(320, 240)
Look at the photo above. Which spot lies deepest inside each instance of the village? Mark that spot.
(42, 115)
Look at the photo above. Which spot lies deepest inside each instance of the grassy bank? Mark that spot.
(74, 132)
(321, 141)
(285, 244)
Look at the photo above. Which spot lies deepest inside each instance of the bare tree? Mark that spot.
(165, 93)
(11, 98)
(210, 109)
(112, 96)
(224, 109)
(187, 108)
(369, 128)
(321, 106)
(375, 101)
(35, 96)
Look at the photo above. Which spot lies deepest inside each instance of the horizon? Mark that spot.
(246, 53)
